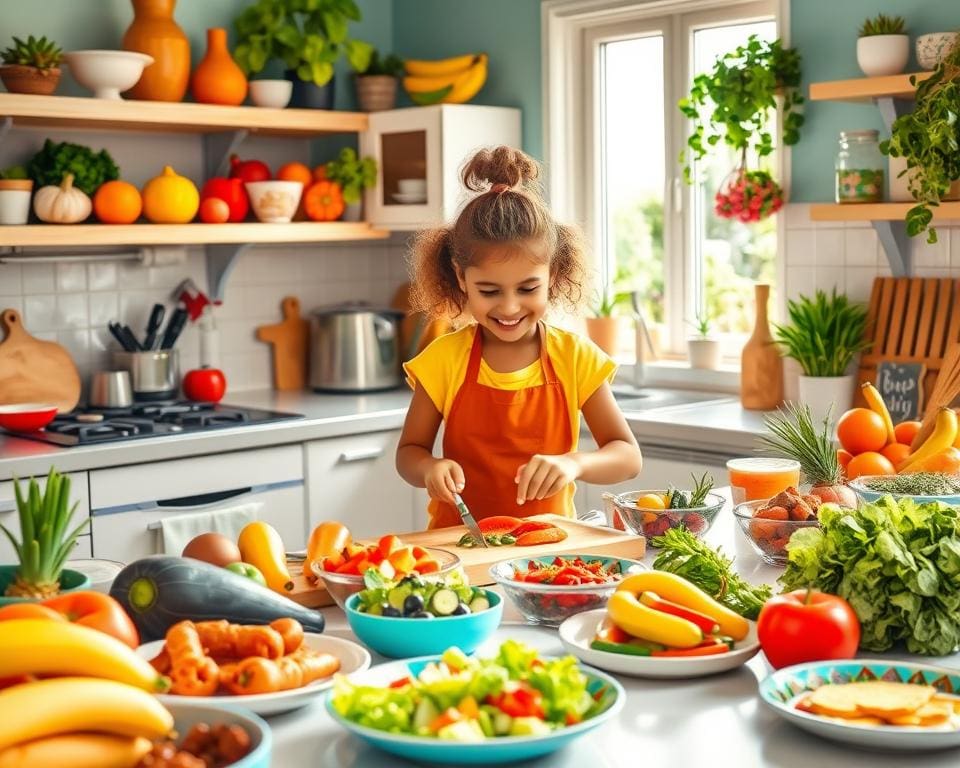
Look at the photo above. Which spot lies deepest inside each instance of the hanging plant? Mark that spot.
(748, 196)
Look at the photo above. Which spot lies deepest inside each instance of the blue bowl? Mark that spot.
(401, 638)
(187, 714)
(865, 494)
(70, 581)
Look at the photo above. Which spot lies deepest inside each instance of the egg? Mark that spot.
(214, 548)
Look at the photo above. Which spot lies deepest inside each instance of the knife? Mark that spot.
(153, 325)
(469, 521)
(177, 320)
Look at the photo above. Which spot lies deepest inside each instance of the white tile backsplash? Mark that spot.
(38, 278)
(71, 277)
(10, 280)
(860, 247)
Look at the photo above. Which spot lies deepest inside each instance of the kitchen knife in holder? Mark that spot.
(155, 375)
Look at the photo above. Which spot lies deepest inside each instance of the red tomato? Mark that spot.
(97, 611)
(29, 611)
(807, 625)
(213, 210)
(206, 385)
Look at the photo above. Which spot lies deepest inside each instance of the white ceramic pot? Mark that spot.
(822, 392)
(15, 201)
(933, 47)
(883, 54)
(352, 212)
(107, 73)
(704, 353)
(271, 93)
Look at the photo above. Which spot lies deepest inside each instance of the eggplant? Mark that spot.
(161, 590)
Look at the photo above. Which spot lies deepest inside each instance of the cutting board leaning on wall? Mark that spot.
(35, 371)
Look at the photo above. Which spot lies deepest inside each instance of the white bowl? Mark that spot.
(412, 187)
(274, 202)
(271, 93)
(933, 47)
(106, 73)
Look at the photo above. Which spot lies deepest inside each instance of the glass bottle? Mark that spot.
(859, 168)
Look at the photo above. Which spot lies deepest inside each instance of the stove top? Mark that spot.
(149, 420)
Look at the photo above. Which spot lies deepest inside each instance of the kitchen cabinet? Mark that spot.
(428, 143)
(79, 493)
(353, 479)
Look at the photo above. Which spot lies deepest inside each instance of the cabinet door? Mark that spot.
(354, 480)
(79, 493)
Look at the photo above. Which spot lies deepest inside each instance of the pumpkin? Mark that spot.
(62, 205)
(323, 201)
(117, 202)
(170, 198)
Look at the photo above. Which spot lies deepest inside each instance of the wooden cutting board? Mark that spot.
(35, 371)
(582, 538)
(290, 339)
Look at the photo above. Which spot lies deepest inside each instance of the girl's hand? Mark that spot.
(443, 479)
(544, 476)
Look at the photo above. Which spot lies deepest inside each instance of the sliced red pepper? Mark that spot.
(700, 650)
(449, 717)
(401, 682)
(524, 701)
(653, 600)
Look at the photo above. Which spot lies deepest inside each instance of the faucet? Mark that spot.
(642, 337)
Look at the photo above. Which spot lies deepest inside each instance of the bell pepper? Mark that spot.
(97, 611)
(29, 611)
(523, 701)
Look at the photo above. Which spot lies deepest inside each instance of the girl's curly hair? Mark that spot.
(511, 210)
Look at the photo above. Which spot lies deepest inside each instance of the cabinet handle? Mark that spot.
(364, 454)
(7, 505)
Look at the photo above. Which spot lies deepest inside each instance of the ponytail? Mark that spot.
(435, 289)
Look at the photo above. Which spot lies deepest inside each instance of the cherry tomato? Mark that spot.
(807, 625)
(213, 210)
(206, 385)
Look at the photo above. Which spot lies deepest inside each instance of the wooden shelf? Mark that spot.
(67, 235)
(866, 89)
(877, 211)
(170, 117)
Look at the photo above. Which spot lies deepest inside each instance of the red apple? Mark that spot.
(807, 625)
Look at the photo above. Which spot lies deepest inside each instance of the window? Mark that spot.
(622, 72)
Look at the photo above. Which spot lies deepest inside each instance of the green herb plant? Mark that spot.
(928, 137)
(737, 100)
(677, 499)
(701, 324)
(881, 24)
(354, 174)
(14, 172)
(606, 301)
(39, 53)
(309, 36)
(824, 333)
(55, 160)
(390, 65)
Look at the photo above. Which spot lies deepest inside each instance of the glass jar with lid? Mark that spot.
(859, 167)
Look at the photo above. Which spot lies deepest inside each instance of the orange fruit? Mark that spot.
(906, 431)
(843, 458)
(869, 463)
(896, 453)
(295, 172)
(117, 202)
(860, 430)
(213, 210)
(650, 501)
(320, 173)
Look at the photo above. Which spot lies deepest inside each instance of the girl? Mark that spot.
(508, 388)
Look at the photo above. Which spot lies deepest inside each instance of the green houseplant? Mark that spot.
(354, 174)
(31, 66)
(602, 325)
(928, 138)
(702, 349)
(883, 46)
(377, 83)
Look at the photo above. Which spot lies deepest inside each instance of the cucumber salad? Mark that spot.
(461, 698)
(416, 597)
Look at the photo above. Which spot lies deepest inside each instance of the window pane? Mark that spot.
(632, 138)
(728, 256)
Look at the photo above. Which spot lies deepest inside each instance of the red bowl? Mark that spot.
(26, 417)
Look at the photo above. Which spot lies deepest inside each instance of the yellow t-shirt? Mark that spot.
(581, 367)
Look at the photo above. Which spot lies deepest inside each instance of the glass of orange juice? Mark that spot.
(761, 477)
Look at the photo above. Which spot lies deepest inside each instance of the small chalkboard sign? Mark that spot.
(901, 385)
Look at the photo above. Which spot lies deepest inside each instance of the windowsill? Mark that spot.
(679, 374)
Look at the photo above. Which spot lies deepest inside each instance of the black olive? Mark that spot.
(412, 604)
(461, 610)
(389, 610)
(421, 615)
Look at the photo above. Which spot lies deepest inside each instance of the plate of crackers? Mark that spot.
(870, 702)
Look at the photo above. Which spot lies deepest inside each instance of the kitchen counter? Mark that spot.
(718, 720)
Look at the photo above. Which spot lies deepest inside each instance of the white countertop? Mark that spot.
(711, 721)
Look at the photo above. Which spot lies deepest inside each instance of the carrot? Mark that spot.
(227, 671)
(161, 662)
(290, 672)
(315, 665)
(224, 640)
(195, 677)
(183, 643)
(255, 675)
(499, 524)
(546, 536)
(700, 650)
(531, 525)
(291, 631)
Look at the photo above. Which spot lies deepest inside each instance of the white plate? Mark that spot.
(409, 198)
(577, 632)
(353, 658)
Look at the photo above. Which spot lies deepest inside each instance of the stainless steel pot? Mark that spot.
(354, 348)
(111, 389)
(155, 375)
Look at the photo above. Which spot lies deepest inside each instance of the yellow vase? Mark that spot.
(155, 33)
(218, 79)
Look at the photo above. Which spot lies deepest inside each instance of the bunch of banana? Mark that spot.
(446, 81)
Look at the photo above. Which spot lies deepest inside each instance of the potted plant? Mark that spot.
(824, 335)
(883, 45)
(927, 139)
(703, 349)
(308, 36)
(602, 326)
(377, 84)
(354, 174)
(15, 190)
(32, 66)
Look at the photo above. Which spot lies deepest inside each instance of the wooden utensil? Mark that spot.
(761, 367)
(290, 340)
(35, 371)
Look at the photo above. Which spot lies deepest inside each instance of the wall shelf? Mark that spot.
(866, 89)
(877, 211)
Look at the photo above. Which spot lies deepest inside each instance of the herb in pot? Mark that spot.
(881, 24)
(677, 499)
(55, 160)
(354, 174)
(915, 484)
(390, 65)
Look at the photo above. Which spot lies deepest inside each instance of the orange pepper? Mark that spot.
(97, 611)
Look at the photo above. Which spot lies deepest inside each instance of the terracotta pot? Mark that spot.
(22, 79)
(155, 33)
(218, 79)
(603, 332)
(15, 200)
(376, 93)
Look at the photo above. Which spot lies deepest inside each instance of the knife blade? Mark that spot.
(469, 521)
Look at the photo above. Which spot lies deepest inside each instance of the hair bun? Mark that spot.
(500, 165)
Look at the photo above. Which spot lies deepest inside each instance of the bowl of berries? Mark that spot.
(652, 513)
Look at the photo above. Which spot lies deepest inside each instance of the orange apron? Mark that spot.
(490, 432)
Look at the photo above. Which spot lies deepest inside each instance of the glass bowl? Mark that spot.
(768, 537)
(550, 604)
(342, 585)
(868, 494)
(656, 522)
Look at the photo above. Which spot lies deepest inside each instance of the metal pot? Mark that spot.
(155, 375)
(354, 348)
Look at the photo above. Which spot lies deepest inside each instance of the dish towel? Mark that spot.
(177, 531)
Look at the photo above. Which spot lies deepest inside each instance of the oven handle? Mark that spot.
(198, 501)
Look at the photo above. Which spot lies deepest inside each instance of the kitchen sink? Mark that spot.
(632, 399)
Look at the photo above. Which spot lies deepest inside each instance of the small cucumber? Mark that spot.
(629, 649)
(479, 603)
(398, 594)
(444, 602)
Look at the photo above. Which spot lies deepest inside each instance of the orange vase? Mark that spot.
(155, 33)
(218, 79)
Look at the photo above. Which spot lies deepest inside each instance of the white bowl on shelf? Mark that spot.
(932, 47)
(274, 202)
(106, 73)
(271, 93)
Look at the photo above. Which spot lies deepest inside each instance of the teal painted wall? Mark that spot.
(508, 30)
(829, 53)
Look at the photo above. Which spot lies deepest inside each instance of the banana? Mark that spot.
(39, 646)
(677, 589)
(943, 436)
(77, 750)
(261, 546)
(636, 619)
(439, 67)
(62, 705)
(875, 402)
(469, 83)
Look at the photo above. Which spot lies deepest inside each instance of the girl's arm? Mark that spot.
(415, 460)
